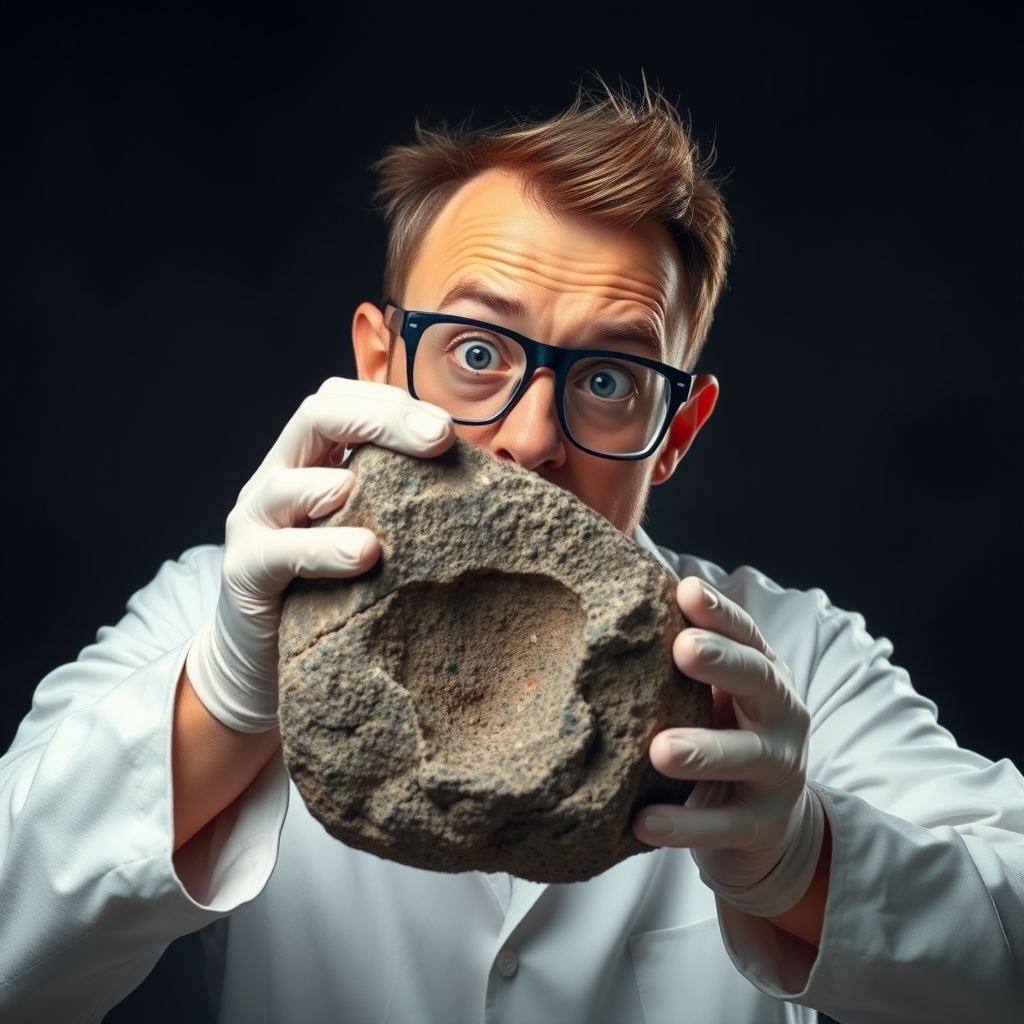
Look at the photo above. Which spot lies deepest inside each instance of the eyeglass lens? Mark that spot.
(612, 405)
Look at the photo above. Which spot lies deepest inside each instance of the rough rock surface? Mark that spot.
(485, 697)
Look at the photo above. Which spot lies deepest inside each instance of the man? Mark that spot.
(568, 270)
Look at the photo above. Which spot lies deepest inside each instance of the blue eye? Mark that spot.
(609, 382)
(477, 355)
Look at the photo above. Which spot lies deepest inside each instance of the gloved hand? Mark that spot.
(232, 663)
(754, 827)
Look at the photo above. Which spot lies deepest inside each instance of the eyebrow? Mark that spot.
(499, 305)
(638, 330)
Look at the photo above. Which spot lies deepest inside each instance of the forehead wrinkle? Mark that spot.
(651, 320)
(603, 279)
(496, 237)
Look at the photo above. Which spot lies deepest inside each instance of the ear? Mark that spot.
(371, 342)
(684, 426)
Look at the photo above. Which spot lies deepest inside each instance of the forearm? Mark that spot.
(212, 764)
(807, 918)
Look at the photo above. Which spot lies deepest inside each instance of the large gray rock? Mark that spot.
(485, 697)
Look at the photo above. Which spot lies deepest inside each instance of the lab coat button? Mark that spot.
(508, 963)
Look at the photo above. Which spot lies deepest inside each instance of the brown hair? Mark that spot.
(620, 158)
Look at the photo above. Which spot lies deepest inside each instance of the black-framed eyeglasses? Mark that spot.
(611, 404)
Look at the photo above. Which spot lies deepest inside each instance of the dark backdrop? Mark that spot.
(186, 230)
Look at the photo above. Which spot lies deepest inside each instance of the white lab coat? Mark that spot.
(924, 919)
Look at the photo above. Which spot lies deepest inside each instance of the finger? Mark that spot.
(293, 497)
(725, 755)
(730, 825)
(350, 412)
(740, 671)
(706, 608)
(333, 552)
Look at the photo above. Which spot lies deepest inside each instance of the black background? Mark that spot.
(186, 231)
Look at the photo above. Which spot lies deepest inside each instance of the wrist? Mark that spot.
(785, 883)
(219, 678)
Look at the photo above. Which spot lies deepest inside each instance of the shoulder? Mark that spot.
(750, 588)
(168, 610)
(190, 583)
(159, 620)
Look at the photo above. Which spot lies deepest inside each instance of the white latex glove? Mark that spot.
(232, 663)
(754, 827)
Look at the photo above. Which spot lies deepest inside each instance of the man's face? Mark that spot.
(573, 282)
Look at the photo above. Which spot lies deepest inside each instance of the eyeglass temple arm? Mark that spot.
(393, 317)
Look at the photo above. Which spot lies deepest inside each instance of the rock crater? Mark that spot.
(484, 698)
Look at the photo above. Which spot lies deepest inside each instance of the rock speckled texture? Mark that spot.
(485, 697)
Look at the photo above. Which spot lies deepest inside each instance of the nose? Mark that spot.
(530, 435)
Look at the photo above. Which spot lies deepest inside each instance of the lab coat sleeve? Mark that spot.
(89, 893)
(925, 914)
